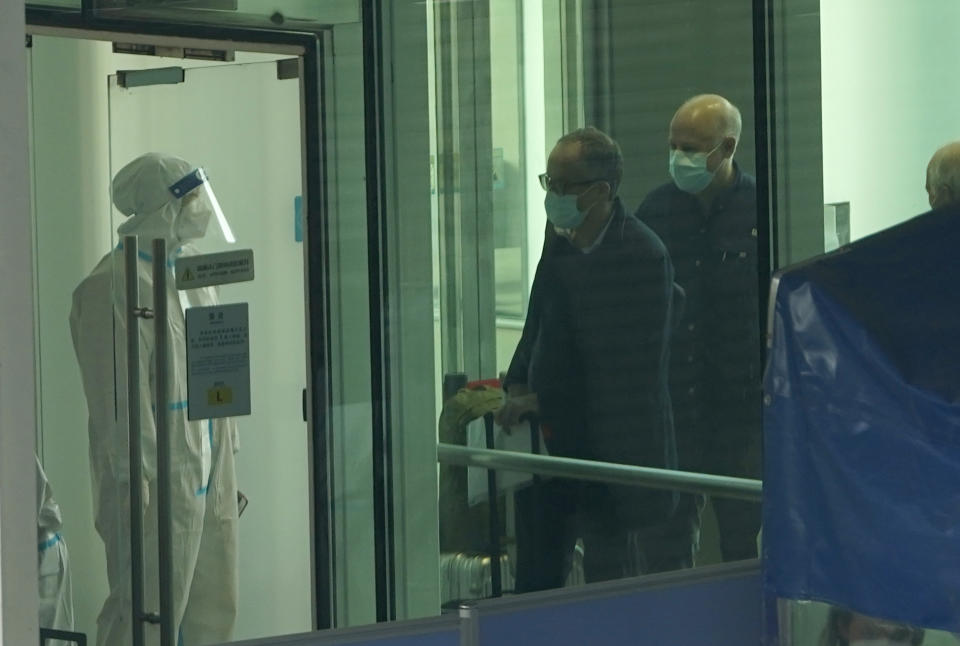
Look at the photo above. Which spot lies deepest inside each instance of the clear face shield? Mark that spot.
(198, 204)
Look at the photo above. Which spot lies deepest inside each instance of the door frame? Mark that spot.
(312, 48)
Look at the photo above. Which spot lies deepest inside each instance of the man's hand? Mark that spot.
(515, 407)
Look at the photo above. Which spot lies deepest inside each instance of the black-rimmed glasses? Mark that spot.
(560, 187)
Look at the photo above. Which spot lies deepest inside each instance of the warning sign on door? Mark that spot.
(218, 361)
(214, 269)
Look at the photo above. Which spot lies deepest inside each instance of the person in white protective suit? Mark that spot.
(53, 561)
(164, 197)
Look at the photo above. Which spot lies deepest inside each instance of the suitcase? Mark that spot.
(468, 577)
(472, 536)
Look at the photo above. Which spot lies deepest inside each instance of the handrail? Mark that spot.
(623, 474)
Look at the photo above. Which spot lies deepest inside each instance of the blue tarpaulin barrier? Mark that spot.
(710, 606)
(862, 427)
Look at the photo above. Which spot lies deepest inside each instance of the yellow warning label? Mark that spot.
(187, 275)
(220, 396)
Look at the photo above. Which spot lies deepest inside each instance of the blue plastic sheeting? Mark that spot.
(449, 639)
(707, 611)
(431, 631)
(862, 427)
(384, 638)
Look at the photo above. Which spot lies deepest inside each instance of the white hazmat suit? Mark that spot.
(53, 560)
(165, 197)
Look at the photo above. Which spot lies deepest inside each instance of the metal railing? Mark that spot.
(494, 460)
(623, 474)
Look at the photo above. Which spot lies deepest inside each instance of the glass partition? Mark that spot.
(551, 282)
(283, 14)
(582, 280)
(58, 4)
(608, 287)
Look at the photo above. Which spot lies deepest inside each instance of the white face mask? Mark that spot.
(194, 216)
(689, 170)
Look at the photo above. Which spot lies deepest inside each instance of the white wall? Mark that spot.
(18, 565)
(890, 99)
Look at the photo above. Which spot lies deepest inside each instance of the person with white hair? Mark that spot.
(943, 176)
(707, 218)
(163, 197)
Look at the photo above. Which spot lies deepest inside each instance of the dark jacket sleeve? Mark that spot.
(520, 363)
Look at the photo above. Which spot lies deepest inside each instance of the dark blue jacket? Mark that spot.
(595, 346)
(716, 354)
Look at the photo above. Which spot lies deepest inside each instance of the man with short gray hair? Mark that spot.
(943, 176)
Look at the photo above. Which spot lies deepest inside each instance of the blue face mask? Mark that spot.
(689, 170)
(562, 211)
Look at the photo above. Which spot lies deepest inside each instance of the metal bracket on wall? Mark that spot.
(159, 76)
(288, 68)
(196, 53)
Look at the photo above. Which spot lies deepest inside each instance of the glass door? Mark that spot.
(240, 124)
(208, 158)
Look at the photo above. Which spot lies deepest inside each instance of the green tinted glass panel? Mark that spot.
(68, 4)
(275, 13)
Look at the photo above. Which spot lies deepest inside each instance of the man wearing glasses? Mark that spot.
(592, 365)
